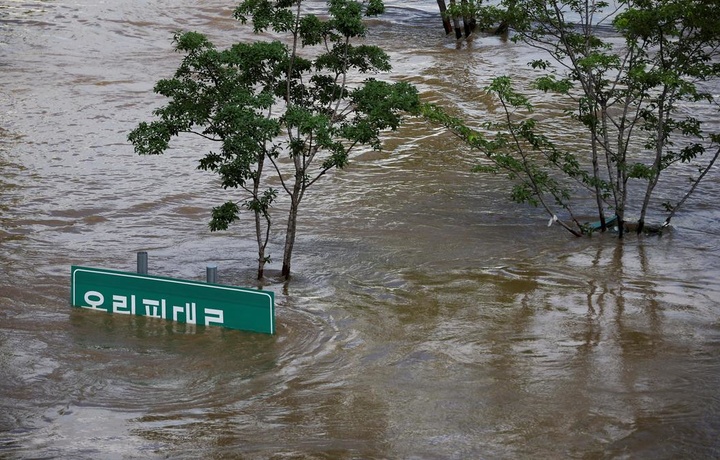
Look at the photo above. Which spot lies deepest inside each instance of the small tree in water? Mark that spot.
(630, 87)
(262, 101)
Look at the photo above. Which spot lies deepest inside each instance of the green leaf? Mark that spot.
(223, 216)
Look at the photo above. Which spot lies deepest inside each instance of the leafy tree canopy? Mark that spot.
(629, 97)
(301, 97)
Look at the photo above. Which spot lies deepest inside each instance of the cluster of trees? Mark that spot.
(626, 90)
(286, 110)
(466, 16)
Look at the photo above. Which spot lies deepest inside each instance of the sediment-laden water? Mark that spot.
(428, 318)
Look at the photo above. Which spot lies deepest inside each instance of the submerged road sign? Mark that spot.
(191, 302)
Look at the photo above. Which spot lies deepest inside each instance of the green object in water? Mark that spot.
(598, 225)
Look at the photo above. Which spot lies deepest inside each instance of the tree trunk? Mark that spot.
(289, 240)
(258, 223)
(646, 200)
(261, 247)
(292, 225)
(659, 144)
(445, 20)
(502, 28)
(620, 211)
(621, 178)
(262, 243)
(456, 23)
(596, 176)
(468, 22)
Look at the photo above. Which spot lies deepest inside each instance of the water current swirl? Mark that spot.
(428, 318)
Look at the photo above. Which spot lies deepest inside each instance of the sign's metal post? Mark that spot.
(142, 263)
(211, 274)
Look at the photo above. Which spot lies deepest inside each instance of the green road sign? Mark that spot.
(191, 302)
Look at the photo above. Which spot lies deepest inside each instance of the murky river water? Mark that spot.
(428, 318)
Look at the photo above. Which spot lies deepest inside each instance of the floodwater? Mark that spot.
(428, 318)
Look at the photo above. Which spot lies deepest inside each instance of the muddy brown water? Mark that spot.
(427, 319)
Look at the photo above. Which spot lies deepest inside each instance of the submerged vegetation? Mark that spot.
(286, 112)
(281, 114)
(629, 97)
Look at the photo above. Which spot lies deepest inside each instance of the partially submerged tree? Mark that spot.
(475, 15)
(266, 101)
(628, 71)
(227, 98)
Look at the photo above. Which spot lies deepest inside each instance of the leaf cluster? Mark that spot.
(300, 97)
(628, 95)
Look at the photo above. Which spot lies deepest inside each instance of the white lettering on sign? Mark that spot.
(94, 299)
(120, 305)
(213, 316)
(195, 303)
(127, 305)
(189, 310)
(157, 307)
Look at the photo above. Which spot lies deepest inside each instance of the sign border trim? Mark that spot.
(76, 269)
